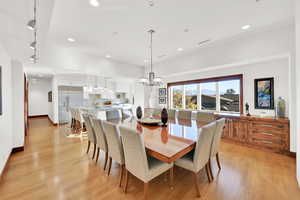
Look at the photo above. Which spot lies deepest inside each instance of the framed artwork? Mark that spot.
(162, 92)
(0, 90)
(162, 100)
(50, 96)
(264, 93)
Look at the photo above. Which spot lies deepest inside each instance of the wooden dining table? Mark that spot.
(166, 143)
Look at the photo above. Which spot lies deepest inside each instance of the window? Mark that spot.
(221, 94)
(177, 96)
(208, 96)
(230, 95)
(191, 93)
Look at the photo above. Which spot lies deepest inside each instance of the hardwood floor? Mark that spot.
(56, 167)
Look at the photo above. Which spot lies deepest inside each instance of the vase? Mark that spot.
(139, 112)
(164, 116)
(281, 107)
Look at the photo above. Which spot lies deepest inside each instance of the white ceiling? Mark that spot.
(119, 28)
(94, 28)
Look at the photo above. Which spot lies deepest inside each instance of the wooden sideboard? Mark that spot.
(260, 132)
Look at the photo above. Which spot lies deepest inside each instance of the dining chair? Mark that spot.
(205, 116)
(79, 118)
(184, 114)
(91, 134)
(138, 163)
(101, 139)
(115, 147)
(196, 160)
(72, 118)
(216, 144)
(171, 113)
(113, 114)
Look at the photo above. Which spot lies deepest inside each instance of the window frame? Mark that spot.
(207, 80)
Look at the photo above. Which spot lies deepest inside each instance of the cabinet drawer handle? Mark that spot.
(267, 125)
(270, 134)
(267, 142)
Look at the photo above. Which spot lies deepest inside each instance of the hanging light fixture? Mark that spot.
(152, 80)
(32, 25)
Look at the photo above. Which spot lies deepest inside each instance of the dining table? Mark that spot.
(166, 143)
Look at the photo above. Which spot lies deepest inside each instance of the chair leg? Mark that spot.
(106, 158)
(126, 180)
(94, 152)
(197, 184)
(88, 148)
(146, 185)
(218, 160)
(210, 169)
(97, 156)
(109, 166)
(171, 177)
(207, 172)
(121, 175)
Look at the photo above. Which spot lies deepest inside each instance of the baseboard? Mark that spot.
(17, 149)
(38, 116)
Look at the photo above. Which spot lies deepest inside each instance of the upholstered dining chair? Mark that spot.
(73, 120)
(91, 134)
(115, 147)
(205, 116)
(216, 144)
(113, 114)
(79, 118)
(199, 158)
(172, 113)
(184, 114)
(101, 139)
(138, 163)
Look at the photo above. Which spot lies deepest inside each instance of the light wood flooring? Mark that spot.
(56, 167)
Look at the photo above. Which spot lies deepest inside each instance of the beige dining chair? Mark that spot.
(73, 120)
(101, 139)
(199, 158)
(171, 113)
(115, 147)
(79, 118)
(91, 134)
(205, 116)
(138, 163)
(184, 114)
(113, 114)
(215, 146)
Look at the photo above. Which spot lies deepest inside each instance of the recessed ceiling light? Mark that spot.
(108, 56)
(94, 3)
(180, 49)
(245, 27)
(71, 39)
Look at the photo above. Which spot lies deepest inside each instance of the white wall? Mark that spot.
(12, 119)
(18, 127)
(5, 119)
(297, 20)
(38, 96)
(255, 54)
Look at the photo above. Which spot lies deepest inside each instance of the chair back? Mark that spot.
(115, 147)
(203, 146)
(99, 132)
(217, 137)
(184, 114)
(89, 128)
(113, 114)
(171, 113)
(135, 153)
(205, 117)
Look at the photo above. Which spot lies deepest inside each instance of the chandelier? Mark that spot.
(151, 80)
